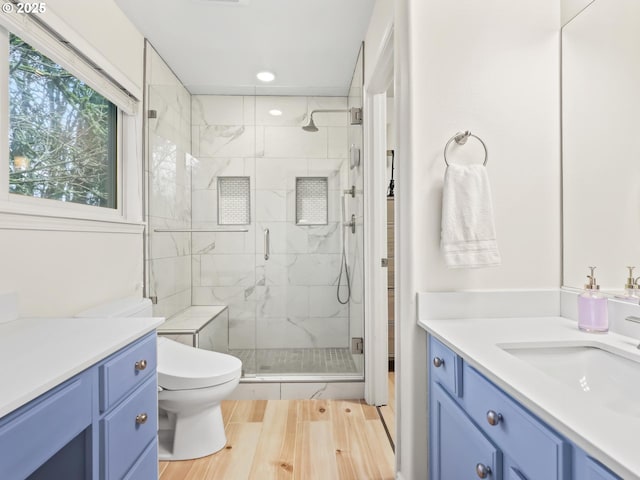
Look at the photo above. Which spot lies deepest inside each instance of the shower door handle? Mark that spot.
(267, 244)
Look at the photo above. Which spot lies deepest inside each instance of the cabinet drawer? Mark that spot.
(449, 371)
(458, 447)
(146, 468)
(126, 370)
(35, 432)
(537, 451)
(123, 437)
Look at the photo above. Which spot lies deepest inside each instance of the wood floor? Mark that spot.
(296, 439)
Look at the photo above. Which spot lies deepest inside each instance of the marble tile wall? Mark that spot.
(355, 242)
(168, 174)
(289, 300)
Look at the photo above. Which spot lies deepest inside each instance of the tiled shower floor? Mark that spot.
(295, 361)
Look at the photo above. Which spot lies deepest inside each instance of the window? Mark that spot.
(62, 133)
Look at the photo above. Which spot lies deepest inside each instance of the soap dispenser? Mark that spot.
(592, 307)
(631, 287)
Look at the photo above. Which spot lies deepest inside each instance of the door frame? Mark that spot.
(375, 224)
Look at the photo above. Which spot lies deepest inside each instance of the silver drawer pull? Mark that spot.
(141, 419)
(483, 471)
(438, 362)
(141, 365)
(493, 418)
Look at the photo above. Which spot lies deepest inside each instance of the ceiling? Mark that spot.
(218, 46)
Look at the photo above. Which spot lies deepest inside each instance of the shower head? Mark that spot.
(311, 126)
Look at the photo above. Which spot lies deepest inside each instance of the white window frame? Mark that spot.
(38, 213)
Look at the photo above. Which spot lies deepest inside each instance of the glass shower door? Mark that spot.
(223, 212)
(293, 280)
(304, 253)
(168, 256)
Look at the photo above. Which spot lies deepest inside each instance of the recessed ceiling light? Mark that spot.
(266, 76)
(275, 112)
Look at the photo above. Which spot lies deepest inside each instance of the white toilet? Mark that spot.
(191, 384)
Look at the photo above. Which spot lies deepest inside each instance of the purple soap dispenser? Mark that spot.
(592, 307)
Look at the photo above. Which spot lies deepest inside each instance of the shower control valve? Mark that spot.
(351, 224)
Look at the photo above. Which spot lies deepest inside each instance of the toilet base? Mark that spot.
(192, 435)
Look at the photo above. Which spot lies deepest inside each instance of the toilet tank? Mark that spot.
(123, 307)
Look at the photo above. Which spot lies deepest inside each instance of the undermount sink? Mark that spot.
(609, 377)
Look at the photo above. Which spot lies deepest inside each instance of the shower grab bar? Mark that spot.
(199, 230)
(461, 138)
(267, 244)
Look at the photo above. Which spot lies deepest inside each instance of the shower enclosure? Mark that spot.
(262, 216)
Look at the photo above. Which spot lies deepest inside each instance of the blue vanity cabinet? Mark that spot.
(33, 434)
(459, 449)
(535, 450)
(66, 434)
(586, 468)
(478, 431)
(595, 471)
(129, 397)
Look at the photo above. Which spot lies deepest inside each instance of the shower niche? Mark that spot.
(312, 201)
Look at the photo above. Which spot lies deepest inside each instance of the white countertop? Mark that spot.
(36, 354)
(192, 319)
(610, 437)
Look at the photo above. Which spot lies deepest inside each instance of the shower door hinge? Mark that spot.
(357, 345)
(356, 115)
(384, 262)
(152, 114)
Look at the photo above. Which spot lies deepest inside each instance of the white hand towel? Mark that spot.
(468, 237)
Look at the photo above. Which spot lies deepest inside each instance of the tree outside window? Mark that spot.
(62, 133)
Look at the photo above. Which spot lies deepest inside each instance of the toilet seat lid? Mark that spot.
(181, 367)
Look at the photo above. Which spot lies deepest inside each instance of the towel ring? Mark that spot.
(461, 138)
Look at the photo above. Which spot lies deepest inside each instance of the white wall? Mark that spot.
(570, 8)
(60, 266)
(58, 273)
(391, 135)
(492, 68)
(380, 22)
(100, 26)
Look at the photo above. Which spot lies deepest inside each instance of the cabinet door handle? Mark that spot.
(141, 365)
(438, 362)
(493, 418)
(141, 419)
(483, 471)
(267, 244)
